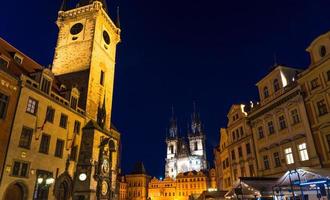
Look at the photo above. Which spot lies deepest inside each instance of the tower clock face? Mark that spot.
(106, 37)
(105, 166)
(104, 188)
(76, 28)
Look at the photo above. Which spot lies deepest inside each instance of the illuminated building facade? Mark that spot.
(62, 143)
(183, 156)
(186, 185)
(280, 126)
(137, 183)
(315, 84)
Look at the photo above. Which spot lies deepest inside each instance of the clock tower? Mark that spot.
(85, 55)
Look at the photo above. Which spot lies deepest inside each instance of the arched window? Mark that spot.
(196, 146)
(171, 149)
(266, 92)
(276, 85)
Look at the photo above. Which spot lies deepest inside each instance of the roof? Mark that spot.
(139, 168)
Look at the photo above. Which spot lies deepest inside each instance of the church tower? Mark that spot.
(172, 148)
(86, 50)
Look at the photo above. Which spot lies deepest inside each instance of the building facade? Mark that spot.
(62, 144)
(183, 156)
(315, 84)
(280, 125)
(137, 183)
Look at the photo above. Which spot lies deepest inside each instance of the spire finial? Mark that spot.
(118, 18)
(63, 5)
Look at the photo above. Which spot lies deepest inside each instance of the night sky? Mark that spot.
(175, 52)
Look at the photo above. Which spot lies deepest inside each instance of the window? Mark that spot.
(235, 174)
(59, 148)
(76, 128)
(50, 114)
(266, 92)
(328, 75)
(240, 152)
(248, 148)
(196, 146)
(288, 156)
(20, 169)
(74, 103)
(276, 84)
(63, 120)
(102, 78)
(25, 139)
(233, 156)
(260, 132)
(322, 108)
(271, 128)
(328, 141)
(44, 144)
(277, 159)
(295, 116)
(282, 122)
(73, 155)
(322, 51)
(251, 170)
(45, 85)
(32, 106)
(18, 59)
(3, 62)
(233, 135)
(241, 131)
(171, 149)
(303, 152)
(4, 99)
(315, 83)
(266, 162)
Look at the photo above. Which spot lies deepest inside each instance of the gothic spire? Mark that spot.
(196, 125)
(118, 18)
(173, 130)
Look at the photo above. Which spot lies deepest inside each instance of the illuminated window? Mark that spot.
(315, 83)
(261, 132)
(266, 162)
(277, 159)
(266, 92)
(25, 139)
(32, 106)
(295, 116)
(44, 143)
(102, 78)
(322, 108)
(248, 148)
(303, 152)
(276, 84)
(59, 148)
(45, 85)
(288, 156)
(4, 100)
(271, 128)
(282, 122)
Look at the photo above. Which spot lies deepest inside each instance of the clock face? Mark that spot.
(76, 29)
(82, 177)
(104, 188)
(106, 37)
(105, 166)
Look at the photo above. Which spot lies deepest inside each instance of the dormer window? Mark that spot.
(18, 59)
(315, 83)
(74, 103)
(45, 85)
(276, 84)
(322, 51)
(3, 62)
(266, 92)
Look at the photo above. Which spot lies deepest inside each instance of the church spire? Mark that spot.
(173, 130)
(196, 125)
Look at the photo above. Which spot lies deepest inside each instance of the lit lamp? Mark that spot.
(44, 181)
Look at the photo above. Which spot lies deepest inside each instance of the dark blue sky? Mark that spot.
(176, 52)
